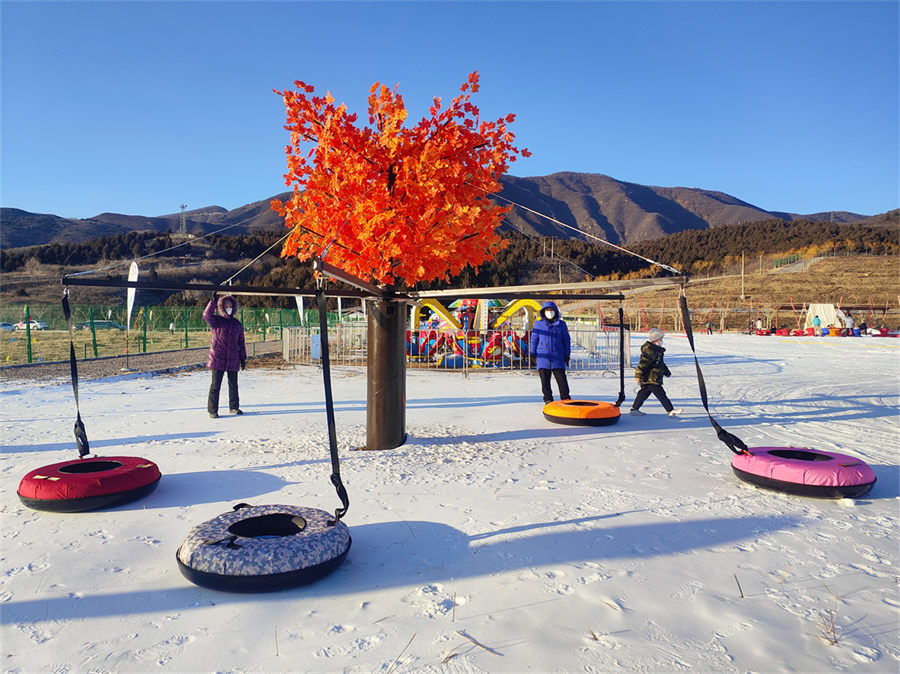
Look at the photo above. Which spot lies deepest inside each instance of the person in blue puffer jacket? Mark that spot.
(550, 351)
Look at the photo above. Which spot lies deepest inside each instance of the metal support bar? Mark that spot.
(323, 267)
(501, 294)
(209, 288)
(550, 289)
(363, 289)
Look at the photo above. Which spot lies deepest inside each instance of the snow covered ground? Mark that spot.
(492, 540)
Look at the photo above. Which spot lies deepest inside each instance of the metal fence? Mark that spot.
(174, 318)
(100, 330)
(592, 348)
(346, 344)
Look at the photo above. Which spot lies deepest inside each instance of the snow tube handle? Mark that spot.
(81, 439)
(734, 443)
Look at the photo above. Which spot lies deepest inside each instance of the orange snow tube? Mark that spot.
(581, 412)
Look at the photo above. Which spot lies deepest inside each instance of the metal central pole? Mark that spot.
(386, 398)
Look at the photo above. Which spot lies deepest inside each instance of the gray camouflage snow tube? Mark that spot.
(263, 548)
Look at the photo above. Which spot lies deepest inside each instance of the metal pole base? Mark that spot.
(386, 396)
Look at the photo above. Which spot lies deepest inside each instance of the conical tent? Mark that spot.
(828, 314)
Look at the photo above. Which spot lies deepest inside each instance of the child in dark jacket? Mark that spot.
(227, 352)
(649, 374)
(550, 350)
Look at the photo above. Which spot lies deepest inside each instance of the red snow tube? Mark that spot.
(88, 484)
(804, 472)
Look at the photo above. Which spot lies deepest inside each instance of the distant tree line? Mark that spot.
(697, 249)
(116, 247)
(135, 245)
(524, 259)
(691, 251)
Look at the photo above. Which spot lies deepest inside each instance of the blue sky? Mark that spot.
(137, 107)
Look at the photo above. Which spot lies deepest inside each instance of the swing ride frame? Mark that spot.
(386, 374)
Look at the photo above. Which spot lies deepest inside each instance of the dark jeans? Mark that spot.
(562, 382)
(212, 403)
(655, 389)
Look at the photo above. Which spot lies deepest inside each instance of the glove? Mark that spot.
(567, 361)
(532, 361)
(243, 364)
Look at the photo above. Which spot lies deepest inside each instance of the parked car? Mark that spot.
(100, 325)
(7, 327)
(35, 325)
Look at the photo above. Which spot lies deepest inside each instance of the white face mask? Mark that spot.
(550, 315)
(228, 310)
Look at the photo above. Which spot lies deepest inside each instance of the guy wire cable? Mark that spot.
(334, 241)
(143, 257)
(534, 238)
(230, 278)
(587, 234)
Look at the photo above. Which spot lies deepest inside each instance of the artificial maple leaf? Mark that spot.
(388, 202)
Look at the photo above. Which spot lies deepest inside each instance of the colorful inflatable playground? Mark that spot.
(471, 333)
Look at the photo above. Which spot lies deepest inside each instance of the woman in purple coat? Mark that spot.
(227, 351)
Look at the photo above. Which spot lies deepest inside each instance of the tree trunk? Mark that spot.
(386, 397)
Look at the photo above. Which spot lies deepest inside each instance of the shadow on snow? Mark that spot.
(381, 553)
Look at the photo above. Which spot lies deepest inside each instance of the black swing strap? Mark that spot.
(81, 439)
(735, 444)
(621, 397)
(329, 405)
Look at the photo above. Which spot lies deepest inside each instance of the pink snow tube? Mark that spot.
(804, 471)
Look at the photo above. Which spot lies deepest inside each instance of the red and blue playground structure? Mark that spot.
(471, 333)
(468, 348)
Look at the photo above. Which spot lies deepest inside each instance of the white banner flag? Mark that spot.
(299, 299)
(132, 276)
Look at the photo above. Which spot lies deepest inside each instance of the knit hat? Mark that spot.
(655, 334)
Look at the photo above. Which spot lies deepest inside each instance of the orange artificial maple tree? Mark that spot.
(387, 202)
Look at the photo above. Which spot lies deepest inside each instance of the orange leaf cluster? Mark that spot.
(386, 202)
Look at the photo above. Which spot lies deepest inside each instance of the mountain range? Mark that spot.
(585, 203)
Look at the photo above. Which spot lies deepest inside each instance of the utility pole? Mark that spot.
(742, 276)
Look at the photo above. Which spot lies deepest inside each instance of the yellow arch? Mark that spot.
(530, 306)
(440, 310)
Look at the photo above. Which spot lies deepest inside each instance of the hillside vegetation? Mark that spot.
(866, 286)
(562, 205)
(860, 266)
